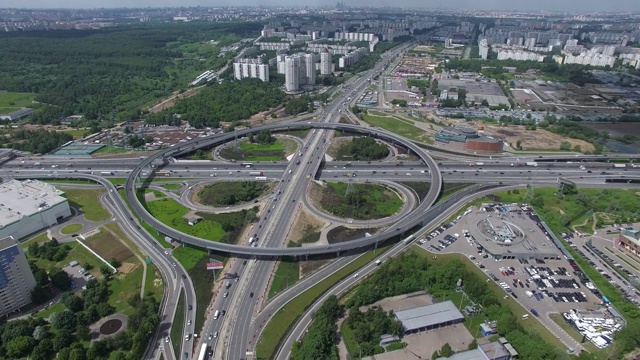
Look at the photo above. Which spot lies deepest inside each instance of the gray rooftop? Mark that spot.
(25, 198)
(77, 149)
(474, 354)
(428, 315)
(494, 350)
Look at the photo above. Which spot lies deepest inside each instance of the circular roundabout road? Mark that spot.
(416, 218)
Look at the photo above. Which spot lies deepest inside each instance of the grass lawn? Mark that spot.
(57, 307)
(203, 285)
(123, 286)
(38, 239)
(530, 324)
(171, 213)
(366, 201)
(76, 133)
(87, 201)
(279, 324)
(349, 341)
(287, 274)
(153, 283)
(398, 126)
(420, 187)
(178, 324)
(188, 256)
(12, 101)
(77, 253)
(172, 186)
(156, 193)
(68, 181)
(216, 194)
(248, 151)
(70, 229)
(159, 237)
(110, 150)
(449, 189)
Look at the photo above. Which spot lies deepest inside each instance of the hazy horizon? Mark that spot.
(578, 6)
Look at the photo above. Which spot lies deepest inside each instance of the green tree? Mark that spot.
(62, 339)
(446, 350)
(106, 271)
(64, 320)
(40, 333)
(60, 279)
(20, 346)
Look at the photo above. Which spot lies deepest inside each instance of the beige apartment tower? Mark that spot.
(16, 279)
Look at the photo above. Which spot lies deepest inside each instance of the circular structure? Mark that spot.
(71, 229)
(419, 217)
(110, 327)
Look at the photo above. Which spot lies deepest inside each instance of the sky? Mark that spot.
(537, 5)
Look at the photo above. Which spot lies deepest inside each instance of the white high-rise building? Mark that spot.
(251, 68)
(16, 279)
(325, 62)
(309, 69)
(292, 73)
(484, 49)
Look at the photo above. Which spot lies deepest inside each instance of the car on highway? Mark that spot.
(209, 337)
(250, 295)
(225, 294)
(187, 337)
(215, 335)
(166, 339)
(190, 307)
(189, 322)
(356, 275)
(223, 313)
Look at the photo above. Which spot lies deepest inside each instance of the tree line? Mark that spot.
(38, 141)
(365, 148)
(228, 101)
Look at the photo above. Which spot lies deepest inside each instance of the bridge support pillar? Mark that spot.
(338, 253)
(376, 246)
(306, 257)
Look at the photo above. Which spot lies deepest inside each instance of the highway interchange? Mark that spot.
(254, 265)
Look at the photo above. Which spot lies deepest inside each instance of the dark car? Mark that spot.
(251, 295)
(190, 307)
(184, 276)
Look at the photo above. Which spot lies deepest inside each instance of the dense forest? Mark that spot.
(319, 341)
(227, 101)
(365, 148)
(36, 141)
(98, 72)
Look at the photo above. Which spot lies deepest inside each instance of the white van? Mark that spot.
(378, 262)
(216, 315)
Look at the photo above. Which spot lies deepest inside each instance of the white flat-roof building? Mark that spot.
(429, 317)
(16, 279)
(29, 206)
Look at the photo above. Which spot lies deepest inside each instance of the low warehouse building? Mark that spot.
(29, 206)
(429, 317)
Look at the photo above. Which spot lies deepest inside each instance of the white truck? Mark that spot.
(619, 166)
(529, 293)
(532, 163)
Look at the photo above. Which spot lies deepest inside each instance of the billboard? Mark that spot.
(216, 265)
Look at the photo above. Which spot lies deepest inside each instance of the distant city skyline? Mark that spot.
(581, 6)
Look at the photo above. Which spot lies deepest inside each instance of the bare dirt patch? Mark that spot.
(127, 268)
(308, 267)
(302, 224)
(167, 103)
(534, 139)
(108, 246)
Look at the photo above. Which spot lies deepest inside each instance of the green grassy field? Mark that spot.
(77, 253)
(365, 201)
(12, 101)
(171, 213)
(188, 256)
(178, 325)
(202, 284)
(109, 150)
(38, 239)
(297, 133)
(76, 133)
(279, 324)
(172, 186)
(70, 229)
(159, 237)
(216, 194)
(124, 286)
(287, 273)
(153, 283)
(88, 201)
(398, 126)
(248, 151)
(156, 193)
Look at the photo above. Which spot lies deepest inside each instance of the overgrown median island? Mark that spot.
(232, 192)
(357, 201)
(260, 147)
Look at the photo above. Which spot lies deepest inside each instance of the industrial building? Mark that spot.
(471, 139)
(17, 115)
(629, 239)
(497, 350)
(429, 317)
(29, 206)
(16, 279)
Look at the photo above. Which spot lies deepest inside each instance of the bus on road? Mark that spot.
(163, 173)
(247, 164)
(203, 352)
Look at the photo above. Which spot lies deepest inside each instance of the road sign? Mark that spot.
(215, 265)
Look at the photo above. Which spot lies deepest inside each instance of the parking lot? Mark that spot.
(512, 247)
